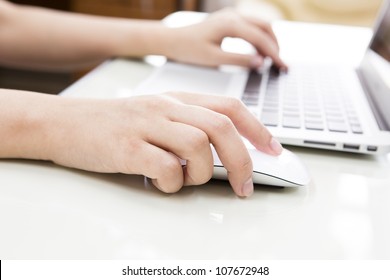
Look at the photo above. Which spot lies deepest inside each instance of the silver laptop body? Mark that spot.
(322, 106)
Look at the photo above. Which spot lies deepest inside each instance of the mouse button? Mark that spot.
(264, 161)
(286, 166)
(293, 168)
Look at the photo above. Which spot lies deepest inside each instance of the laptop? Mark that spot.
(326, 106)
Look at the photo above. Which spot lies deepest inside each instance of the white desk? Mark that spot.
(47, 211)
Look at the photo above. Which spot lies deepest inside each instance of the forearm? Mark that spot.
(61, 41)
(24, 121)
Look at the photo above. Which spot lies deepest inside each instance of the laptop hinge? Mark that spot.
(380, 118)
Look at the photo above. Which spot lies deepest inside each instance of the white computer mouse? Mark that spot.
(285, 170)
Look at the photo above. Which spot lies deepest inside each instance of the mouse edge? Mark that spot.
(272, 180)
(220, 173)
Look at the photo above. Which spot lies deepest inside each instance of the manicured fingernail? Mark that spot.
(256, 62)
(276, 146)
(247, 188)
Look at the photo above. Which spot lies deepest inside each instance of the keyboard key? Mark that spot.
(253, 82)
(314, 125)
(313, 116)
(353, 121)
(357, 129)
(331, 119)
(310, 98)
(250, 99)
(291, 122)
(337, 126)
(269, 118)
(270, 110)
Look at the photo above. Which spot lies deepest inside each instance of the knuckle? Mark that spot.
(204, 176)
(246, 164)
(234, 104)
(171, 167)
(160, 102)
(227, 19)
(222, 124)
(197, 141)
(264, 132)
(235, 107)
(171, 170)
(267, 25)
(199, 178)
(170, 175)
(230, 14)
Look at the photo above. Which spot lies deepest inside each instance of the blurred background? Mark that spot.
(350, 12)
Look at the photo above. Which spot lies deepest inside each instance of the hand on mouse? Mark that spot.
(139, 135)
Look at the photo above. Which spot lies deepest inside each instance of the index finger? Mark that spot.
(246, 123)
(226, 140)
(223, 130)
(262, 25)
(261, 40)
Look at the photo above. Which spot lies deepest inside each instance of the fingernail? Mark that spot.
(284, 69)
(256, 62)
(247, 188)
(275, 146)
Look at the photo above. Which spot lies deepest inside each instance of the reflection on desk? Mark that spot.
(49, 211)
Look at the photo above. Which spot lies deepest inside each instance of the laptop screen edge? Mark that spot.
(375, 68)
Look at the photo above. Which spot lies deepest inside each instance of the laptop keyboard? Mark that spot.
(305, 98)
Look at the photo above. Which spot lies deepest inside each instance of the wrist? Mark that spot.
(141, 38)
(26, 124)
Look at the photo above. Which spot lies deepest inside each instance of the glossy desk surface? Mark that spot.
(47, 211)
